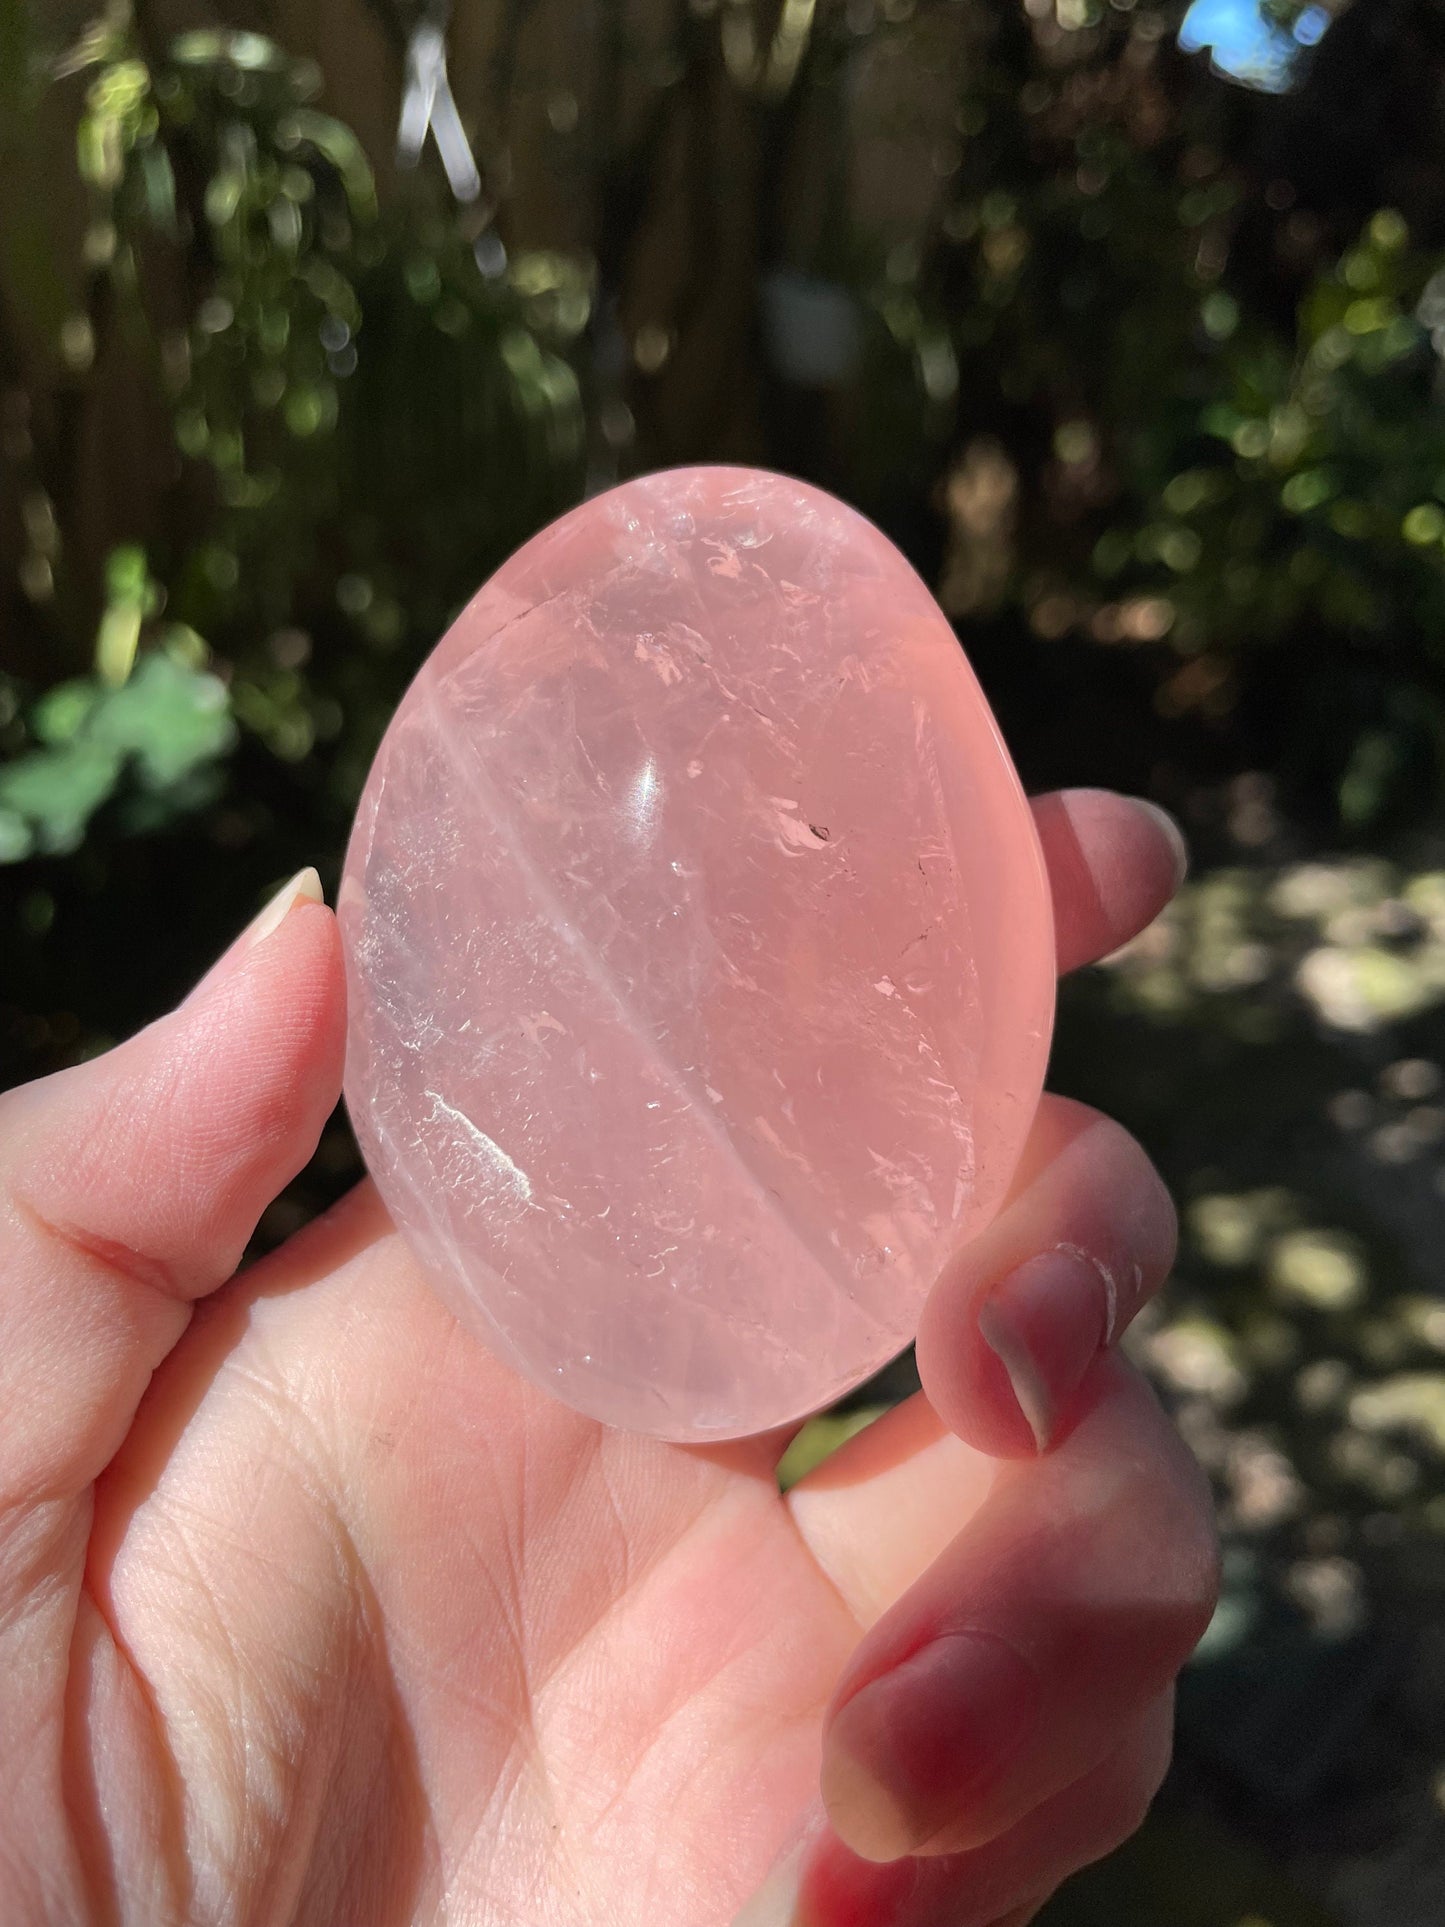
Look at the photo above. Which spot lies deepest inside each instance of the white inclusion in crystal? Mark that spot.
(512, 1175)
(644, 800)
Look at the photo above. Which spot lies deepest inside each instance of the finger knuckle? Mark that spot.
(1186, 1555)
(1140, 1206)
(1165, 1508)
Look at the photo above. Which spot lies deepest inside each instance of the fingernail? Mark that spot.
(304, 887)
(1170, 826)
(1046, 1322)
(908, 1749)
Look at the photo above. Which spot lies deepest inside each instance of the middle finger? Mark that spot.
(1004, 1883)
(1071, 1591)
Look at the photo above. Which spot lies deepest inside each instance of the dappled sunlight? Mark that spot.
(1277, 1038)
(1359, 941)
(1127, 321)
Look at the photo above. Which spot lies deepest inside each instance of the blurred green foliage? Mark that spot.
(1147, 373)
(1105, 374)
(161, 720)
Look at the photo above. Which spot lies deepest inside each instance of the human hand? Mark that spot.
(312, 1611)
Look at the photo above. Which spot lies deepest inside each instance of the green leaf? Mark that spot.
(820, 1438)
(16, 839)
(126, 578)
(57, 791)
(251, 52)
(170, 724)
(62, 712)
(169, 718)
(337, 144)
(223, 195)
(160, 187)
(116, 644)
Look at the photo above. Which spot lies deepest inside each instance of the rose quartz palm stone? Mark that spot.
(700, 956)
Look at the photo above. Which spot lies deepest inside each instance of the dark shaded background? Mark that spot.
(1136, 350)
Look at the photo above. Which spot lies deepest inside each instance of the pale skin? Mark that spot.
(311, 1611)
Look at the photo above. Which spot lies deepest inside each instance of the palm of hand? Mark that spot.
(311, 1611)
(404, 1640)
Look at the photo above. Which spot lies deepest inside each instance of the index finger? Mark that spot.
(1113, 861)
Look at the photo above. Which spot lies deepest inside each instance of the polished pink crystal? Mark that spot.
(700, 957)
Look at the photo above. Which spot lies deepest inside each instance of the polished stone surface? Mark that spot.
(699, 953)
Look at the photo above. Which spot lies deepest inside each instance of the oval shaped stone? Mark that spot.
(699, 953)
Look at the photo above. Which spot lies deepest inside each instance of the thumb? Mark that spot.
(130, 1185)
